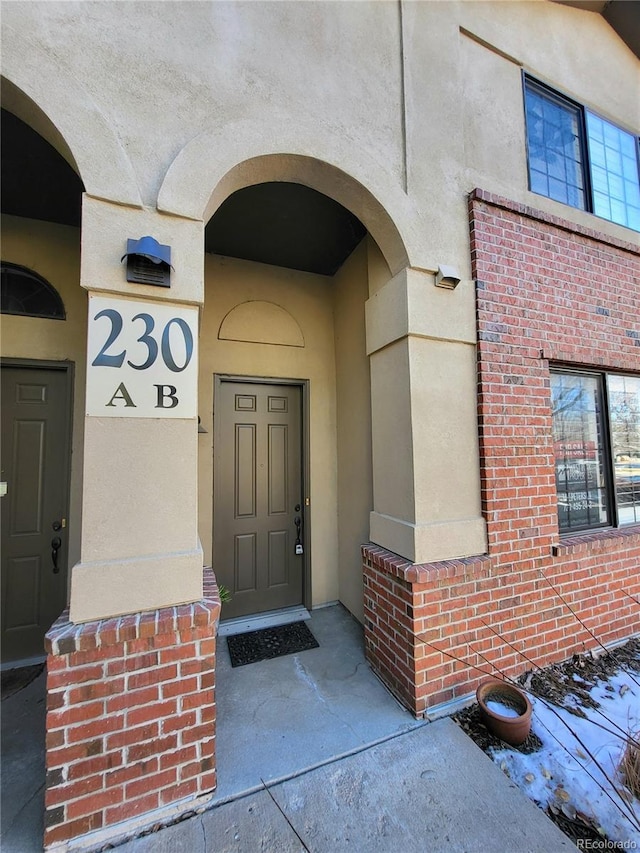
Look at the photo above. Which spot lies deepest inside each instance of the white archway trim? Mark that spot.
(101, 159)
(261, 323)
(222, 160)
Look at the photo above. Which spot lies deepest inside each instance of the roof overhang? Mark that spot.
(622, 15)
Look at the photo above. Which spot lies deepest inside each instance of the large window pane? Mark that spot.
(624, 412)
(614, 171)
(580, 159)
(555, 151)
(578, 448)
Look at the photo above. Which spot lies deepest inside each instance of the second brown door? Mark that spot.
(258, 496)
(35, 476)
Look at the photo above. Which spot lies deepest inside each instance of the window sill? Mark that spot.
(595, 540)
(551, 212)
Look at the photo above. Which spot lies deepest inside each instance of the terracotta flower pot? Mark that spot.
(505, 709)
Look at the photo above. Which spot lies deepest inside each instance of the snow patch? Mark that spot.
(577, 764)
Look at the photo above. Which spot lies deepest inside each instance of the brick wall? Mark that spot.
(546, 291)
(130, 719)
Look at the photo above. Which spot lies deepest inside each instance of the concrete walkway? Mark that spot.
(22, 769)
(313, 754)
(430, 790)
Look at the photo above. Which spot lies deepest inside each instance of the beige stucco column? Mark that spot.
(140, 549)
(426, 474)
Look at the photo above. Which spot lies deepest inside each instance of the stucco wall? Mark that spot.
(339, 519)
(591, 65)
(52, 251)
(353, 386)
(423, 97)
(397, 110)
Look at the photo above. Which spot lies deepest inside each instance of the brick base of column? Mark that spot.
(433, 630)
(403, 606)
(131, 720)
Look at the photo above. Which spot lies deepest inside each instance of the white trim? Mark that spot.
(242, 624)
(446, 709)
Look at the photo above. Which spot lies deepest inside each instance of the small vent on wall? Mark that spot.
(148, 262)
(141, 270)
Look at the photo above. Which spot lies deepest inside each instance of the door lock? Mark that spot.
(299, 550)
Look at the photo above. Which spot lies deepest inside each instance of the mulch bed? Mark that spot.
(556, 683)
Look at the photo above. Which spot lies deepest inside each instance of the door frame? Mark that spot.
(68, 367)
(303, 385)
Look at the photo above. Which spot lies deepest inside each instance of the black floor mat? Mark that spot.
(270, 643)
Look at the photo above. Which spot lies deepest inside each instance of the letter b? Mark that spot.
(168, 394)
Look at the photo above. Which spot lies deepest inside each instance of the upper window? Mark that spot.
(26, 293)
(580, 159)
(596, 439)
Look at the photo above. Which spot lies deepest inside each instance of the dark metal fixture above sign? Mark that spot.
(148, 262)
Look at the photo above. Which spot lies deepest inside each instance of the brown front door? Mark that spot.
(35, 469)
(258, 496)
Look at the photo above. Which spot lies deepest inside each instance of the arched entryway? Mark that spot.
(43, 353)
(286, 484)
(285, 464)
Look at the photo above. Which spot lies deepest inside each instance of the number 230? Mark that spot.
(106, 359)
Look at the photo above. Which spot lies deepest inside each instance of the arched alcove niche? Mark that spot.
(261, 322)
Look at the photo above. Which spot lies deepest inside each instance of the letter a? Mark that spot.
(121, 393)
(163, 395)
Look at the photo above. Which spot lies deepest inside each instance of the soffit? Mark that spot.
(36, 181)
(622, 15)
(284, 224)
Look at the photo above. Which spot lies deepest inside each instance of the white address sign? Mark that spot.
(142, 359)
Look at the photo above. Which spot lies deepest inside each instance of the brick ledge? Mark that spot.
(134, 828)
(593, 541)
(65, 637)
(548, 218)
(419, 573)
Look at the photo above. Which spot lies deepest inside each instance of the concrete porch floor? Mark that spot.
(276, 719)
(281, 716)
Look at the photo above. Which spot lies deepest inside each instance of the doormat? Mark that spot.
(270, 643)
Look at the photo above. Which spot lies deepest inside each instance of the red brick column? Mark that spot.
(130, 719)
(414, 614)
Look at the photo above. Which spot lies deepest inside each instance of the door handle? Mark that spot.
(56, 542)
(298, 545)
